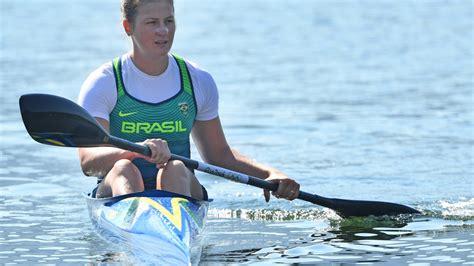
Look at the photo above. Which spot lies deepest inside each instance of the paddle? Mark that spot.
(57, 121)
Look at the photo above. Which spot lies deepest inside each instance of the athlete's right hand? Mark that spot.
(160, 152)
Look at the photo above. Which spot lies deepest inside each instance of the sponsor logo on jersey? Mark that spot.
(148, 128)
(122, 114)
(184, 107)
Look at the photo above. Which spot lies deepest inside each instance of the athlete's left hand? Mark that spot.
(287, 187)
(160, 152)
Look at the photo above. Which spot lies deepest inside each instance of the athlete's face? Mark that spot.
(153, 30)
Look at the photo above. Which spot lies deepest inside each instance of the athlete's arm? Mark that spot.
(98, 161)
(213, 147)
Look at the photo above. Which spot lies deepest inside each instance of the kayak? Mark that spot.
(158, 226)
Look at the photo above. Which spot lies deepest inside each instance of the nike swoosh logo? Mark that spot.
(121, 114)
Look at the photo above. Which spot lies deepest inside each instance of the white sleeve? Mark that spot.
(98, 93)
(207, 96)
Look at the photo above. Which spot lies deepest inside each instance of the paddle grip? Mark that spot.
(261, 183)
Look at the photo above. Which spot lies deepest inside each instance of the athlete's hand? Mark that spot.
(287, 187)
(160, 152)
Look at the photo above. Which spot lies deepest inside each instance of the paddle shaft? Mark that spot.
(219, 171)
(241, 178)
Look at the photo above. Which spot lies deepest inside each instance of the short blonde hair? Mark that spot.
(130, 7)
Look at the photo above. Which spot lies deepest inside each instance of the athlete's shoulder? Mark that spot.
(107, 68)
(103, 71)
(202, 77)
(104, 74)
(102, 78)
(98, 91)
(196, 69)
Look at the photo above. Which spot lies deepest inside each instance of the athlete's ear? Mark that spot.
(127, 27)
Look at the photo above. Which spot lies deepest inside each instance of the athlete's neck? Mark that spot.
(150, 66)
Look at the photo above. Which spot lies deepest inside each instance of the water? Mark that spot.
(355, 99)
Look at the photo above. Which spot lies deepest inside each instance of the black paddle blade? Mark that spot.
(58, 121)
(358, 208)
(354, 208)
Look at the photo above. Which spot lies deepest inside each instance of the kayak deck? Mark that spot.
(160, 225)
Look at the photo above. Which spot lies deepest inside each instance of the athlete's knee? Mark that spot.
(123, 165)
(175, 165)
(123, 178)
(175, 171)
(126, 169)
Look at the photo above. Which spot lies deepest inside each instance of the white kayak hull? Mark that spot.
(155, 225)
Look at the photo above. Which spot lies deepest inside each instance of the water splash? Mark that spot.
(463, 209)
(273, 214)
